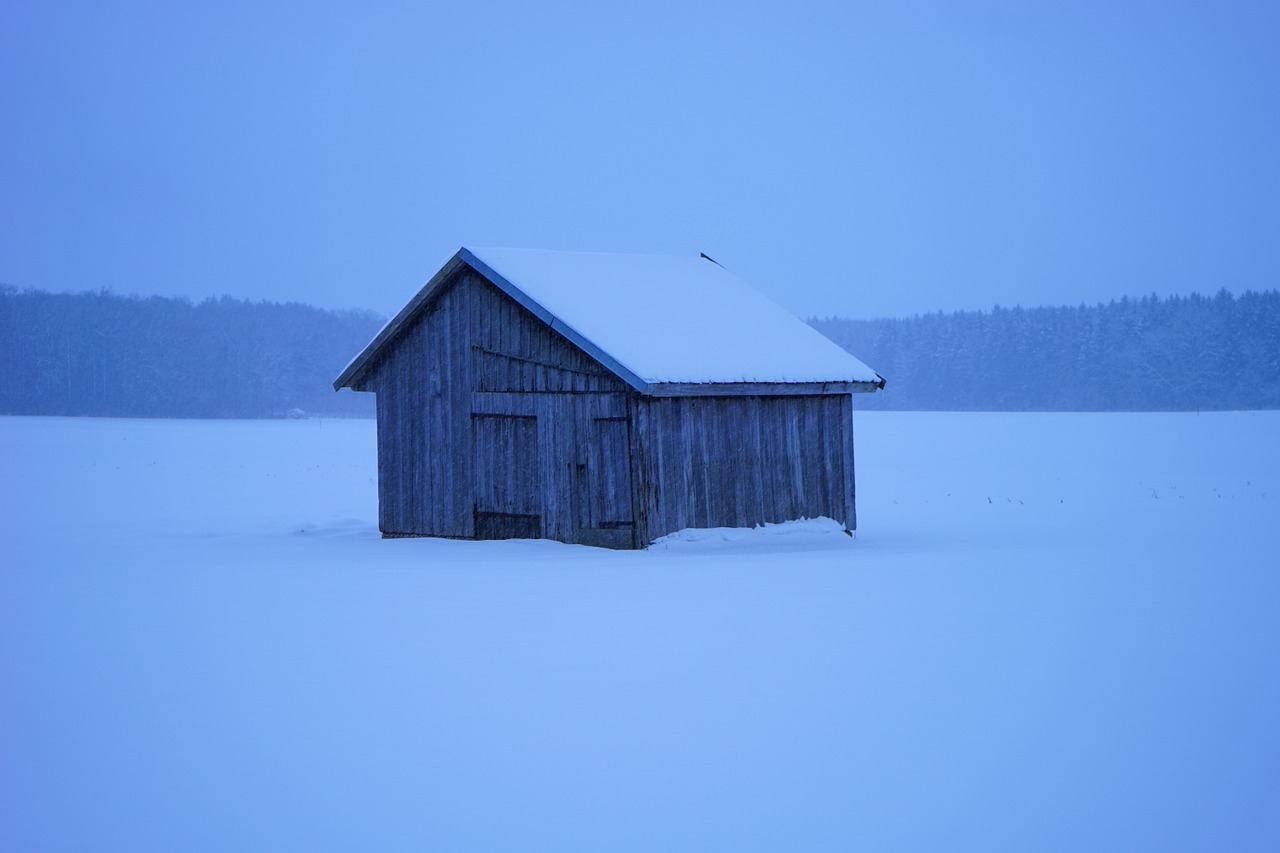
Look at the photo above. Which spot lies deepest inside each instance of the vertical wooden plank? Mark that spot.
(719, 463)
(693, 458)
(579, 458)
(425, 382)
(555, 443)
(833, 471)
(781, 423)
(847, 460)
(462, 473)
(508, 465)
(611, 480)
(791, 425)
(387, 481)
(638, 473)
(824, 465)
(651, 478)
(746, 466)
(813, 462)
(763, 468)
(739, 465)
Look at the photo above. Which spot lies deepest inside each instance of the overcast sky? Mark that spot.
(856, 159)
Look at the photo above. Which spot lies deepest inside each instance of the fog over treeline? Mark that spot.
(1149, 354)
(104, 354)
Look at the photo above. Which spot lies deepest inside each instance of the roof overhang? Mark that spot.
(758, 389)
(351, 373)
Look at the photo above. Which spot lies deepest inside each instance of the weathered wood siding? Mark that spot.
(423, 381)
(740, 461)
(517, 352)
(491, 425)
(574, 447)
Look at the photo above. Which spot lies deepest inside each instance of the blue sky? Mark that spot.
(852, 159)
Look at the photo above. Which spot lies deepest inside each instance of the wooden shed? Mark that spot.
(604, 400)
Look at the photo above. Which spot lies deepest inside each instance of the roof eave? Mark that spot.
(759, 389)
(358, 364)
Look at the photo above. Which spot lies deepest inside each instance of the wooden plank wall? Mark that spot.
(579, 462)
(517, 352)
(525, 368)
(741, 461)
(491, 424)
(423, 383)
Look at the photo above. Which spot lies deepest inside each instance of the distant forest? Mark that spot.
(127, 356)
(1148, 354)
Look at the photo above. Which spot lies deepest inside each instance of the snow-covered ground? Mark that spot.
(1052, 632)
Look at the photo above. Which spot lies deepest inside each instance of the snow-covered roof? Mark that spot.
(659, 320)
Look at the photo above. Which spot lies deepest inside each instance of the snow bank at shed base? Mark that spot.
(802, 531)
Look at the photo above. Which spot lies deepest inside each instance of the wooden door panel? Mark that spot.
(507, 504)
(609, 472)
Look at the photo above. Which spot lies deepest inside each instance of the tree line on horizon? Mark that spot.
(103, 354)
(1180, 353)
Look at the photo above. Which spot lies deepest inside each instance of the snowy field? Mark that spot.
(1052, 632)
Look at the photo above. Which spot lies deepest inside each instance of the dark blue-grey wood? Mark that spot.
(741, 461)
(422, 381)
(490, 425)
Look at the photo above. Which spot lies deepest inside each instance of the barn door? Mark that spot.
(606, 517)
(506, 464)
